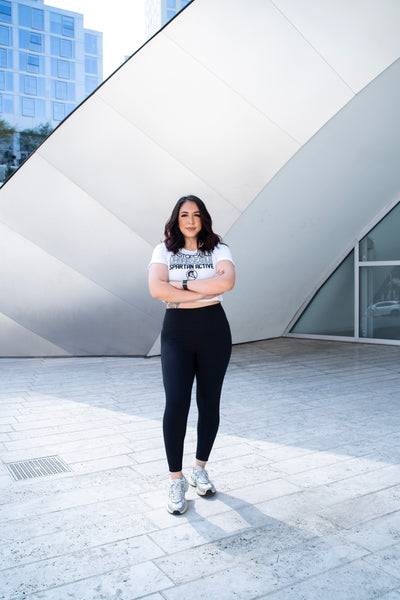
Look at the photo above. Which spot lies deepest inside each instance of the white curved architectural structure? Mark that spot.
(282, 115)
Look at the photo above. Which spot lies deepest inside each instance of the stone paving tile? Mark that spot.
(306, 464)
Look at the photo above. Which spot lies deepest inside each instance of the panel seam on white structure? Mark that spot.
(36, 334)
(234, 90)
(105, 208)
(93, 281)
(313, 47)
(149, 137)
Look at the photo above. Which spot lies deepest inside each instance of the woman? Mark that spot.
(190, 271)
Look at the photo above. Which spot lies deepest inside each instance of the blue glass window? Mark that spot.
(90, 65)
(33, 64)
(171, 4)
(66, 48)
(30, 17)
(30, 41)
(63, 69)
(6, 81)
(30, 85)
(90, 84)
(61, 90)
(170, 14)
(5, 37)
(6, 104)
(55, 45)
(68, 27)
(90, 43)
(58, 111)
(37, 19)
(5, 11)
(27, 107)
(55, 23)
(24, 15)
(3, 58)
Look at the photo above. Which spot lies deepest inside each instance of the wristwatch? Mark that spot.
(184, 285)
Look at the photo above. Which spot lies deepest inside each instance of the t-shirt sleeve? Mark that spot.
(223, 253)
(159, 255)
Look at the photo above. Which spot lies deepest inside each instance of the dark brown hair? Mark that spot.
(207, 239)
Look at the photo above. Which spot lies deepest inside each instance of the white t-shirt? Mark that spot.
(191, 264)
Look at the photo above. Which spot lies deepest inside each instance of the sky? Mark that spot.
(121, 21)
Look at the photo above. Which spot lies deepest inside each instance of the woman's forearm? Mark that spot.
(212, 286)
(169, 293)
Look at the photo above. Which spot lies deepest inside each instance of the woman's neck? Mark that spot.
(190, 244)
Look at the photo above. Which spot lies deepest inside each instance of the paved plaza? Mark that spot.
(306, 465)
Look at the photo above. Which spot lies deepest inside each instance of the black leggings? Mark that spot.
(195, 342)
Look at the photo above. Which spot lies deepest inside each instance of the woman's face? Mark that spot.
(189, 220)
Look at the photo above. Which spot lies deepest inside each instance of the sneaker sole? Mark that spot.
(178, 512)
(208, 493)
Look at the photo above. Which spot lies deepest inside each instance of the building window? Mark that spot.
(63, 69)
(6, 81)
(171, 4)
(66, 48)
(5, 36)
(90, 43)
(90, 84)
(6, 104)
(30, 41)
(2, 80)
(30, 17)
(90, 65)
(170, 14)
(32, 64)
(61, 92)
(62, 25)
(3, 58)
(30, 85)
(5, 11)
(361, 298)
(58, 111)
(68, 27)
(28, 107)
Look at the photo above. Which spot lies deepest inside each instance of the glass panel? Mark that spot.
(55, 23)
(331, 311)
(90, 84)
(380, 302)
(90, 65)
(3, 58)
(171, 4)
(55, 45)
(4, 35)
(383, 241)
(30, 85)
(37, 19)
(8, 104)
(63, 70)
(66, 49)
(24, 15)
(2, 80)
(58, 111)
(170, 14)
(68, 26)
(5, 11)
(61, 90)
(35, 42)
(32, 64)
(90, 43)
(28, 107)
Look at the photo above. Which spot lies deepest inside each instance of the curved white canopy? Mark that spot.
(282, 116)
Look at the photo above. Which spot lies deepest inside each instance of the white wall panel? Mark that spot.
(125, 170)
(358, 38)
(58, 304)
(272, 66)
(201, 121)
(301, 224)
(22, 342)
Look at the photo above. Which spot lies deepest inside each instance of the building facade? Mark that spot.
(159, 12)
(48, 63)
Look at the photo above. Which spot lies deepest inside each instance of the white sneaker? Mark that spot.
(200, 480)
(177, 504)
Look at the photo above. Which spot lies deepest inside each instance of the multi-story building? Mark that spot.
(48, 62)
(159, 12)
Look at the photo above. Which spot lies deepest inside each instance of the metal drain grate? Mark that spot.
(37, 467)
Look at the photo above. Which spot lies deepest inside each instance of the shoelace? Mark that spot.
(176, 490)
